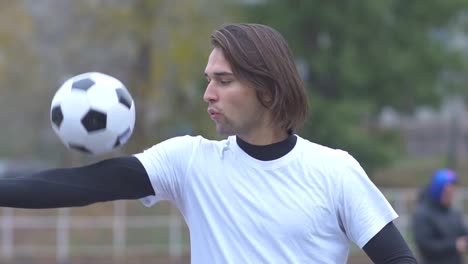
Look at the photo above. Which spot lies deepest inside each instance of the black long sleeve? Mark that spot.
(108, 180)
(389, 247)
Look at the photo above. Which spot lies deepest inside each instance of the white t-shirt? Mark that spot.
(304, 207)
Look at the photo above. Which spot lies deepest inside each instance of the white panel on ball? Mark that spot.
(100, 142)
(74, 105)
(102, 98)
(114, 119)
(72, 132)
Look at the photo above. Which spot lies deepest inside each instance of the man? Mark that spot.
(439, 231)
(262, 195)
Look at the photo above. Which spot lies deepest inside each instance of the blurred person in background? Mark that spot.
(262, 195)
(439, 232)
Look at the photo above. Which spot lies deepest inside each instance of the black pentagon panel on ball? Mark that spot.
(80, 148)
(94, 120)
(83, 84)
(56, 115)
(124, 97)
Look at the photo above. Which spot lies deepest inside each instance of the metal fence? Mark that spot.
(119, 225)
(58, 244)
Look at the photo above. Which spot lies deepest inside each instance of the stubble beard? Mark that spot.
(226, 127)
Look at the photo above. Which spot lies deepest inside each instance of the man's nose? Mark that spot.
(210, 93)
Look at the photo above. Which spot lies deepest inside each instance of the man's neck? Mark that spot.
(270, 151)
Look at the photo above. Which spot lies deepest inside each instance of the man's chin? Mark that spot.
(223, 132)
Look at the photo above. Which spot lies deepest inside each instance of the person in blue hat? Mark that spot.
(439, 232)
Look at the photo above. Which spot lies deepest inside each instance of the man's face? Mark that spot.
(448, 195)
(232, 105)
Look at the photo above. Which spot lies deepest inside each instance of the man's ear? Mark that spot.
(265, 98)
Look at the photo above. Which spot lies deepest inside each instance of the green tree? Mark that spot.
(362, 55)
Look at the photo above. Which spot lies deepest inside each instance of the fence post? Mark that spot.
(119, 230)
(63, 235)
(7, 233)
(175, 236)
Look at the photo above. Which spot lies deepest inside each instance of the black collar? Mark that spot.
(268, 152)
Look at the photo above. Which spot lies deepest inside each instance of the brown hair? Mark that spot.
(260, 55)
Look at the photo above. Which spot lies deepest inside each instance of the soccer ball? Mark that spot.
(93, 113)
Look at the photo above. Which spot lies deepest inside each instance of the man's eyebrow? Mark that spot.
(222, 73)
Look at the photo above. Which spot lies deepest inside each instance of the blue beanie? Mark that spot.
(440, 179)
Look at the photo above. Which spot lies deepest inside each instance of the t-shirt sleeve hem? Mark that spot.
(374, 229)
(148, 201)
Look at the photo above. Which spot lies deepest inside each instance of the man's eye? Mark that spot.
(225, 82)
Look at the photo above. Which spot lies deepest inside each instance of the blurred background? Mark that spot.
(387, 81)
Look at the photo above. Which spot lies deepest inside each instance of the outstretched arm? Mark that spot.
(108, 180)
